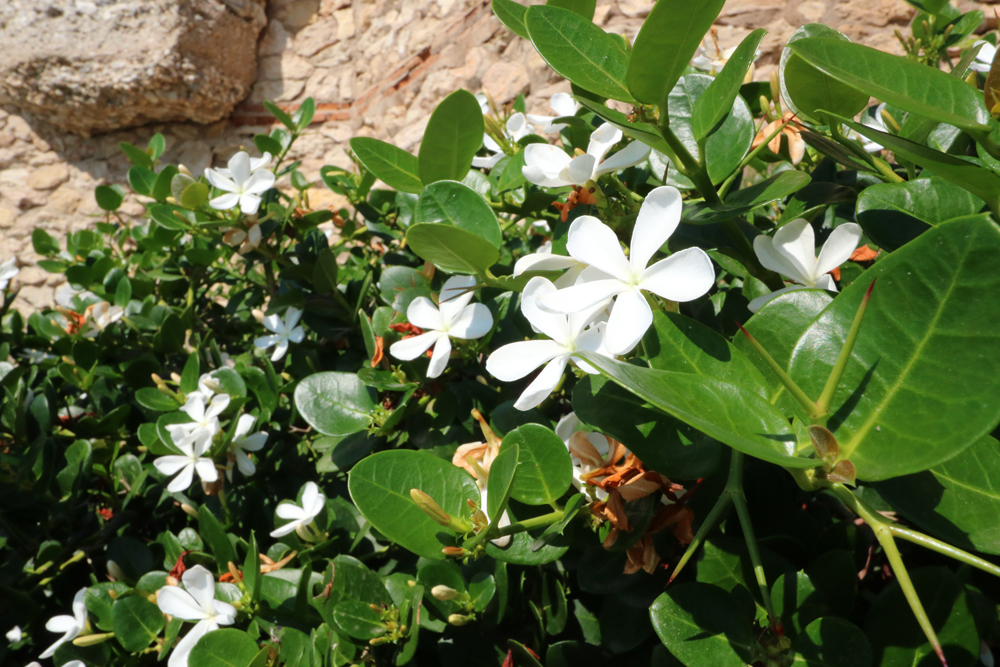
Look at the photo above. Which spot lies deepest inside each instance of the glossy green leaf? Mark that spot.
(511, 14)
(453, 135)
(380, 487)
(251, 569)
(141, 180)
(519, 551)
(893, 214)
(99, 602)
(213, 532)
(225, 647)
(393, 166)
(108, 197)
(923, 382)
(194, 195)
(400, 285)
(325, 271)
(451, 203)
(702, 624)
(579, 50)
(732, 414)
(570, 510)
(137, 622)
(356, 619)
(832, 642)
(335, 403)
(170, 217)
(500, 482)
(644, 132)
(452, 249)
(667, 41)
(584, 8)
(136, 155)
(720, 95)
(796, 602)
(958, 500)
(154, 399)
(926, 91)
(353, 580)
(811, 90)
(544, 470)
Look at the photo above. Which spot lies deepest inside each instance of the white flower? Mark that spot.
(517, 128)
(208, 386)
(203, 418)
(70, 626)
(564, 105)
(985, 654)
(484, 103)
(683, 276)
(712, 58)
(247, 240)
(193, 446)
(792, 253)
(516, 360)
(196, 602)
(313, 503)
(256, 164)
(872, 118)
(102, 315)
(984, 59)
(242, 185)
(285, 330)
(587, 462)
(454, 317)
(241, 445)
(549, 166)
(544, 260)
(8, 270)
(14, 634)
(71, 298)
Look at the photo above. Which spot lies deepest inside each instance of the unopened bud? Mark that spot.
(115, 572)
(459, 619)
(184, 170)
(889, 121)
(258, 314)
(91, 640)
(455, 552)
(776, 93)
(172, 200)
(190, 511)
(429, 507)
(158, 381)
(175, 377)
(442, 592)
(172, 580)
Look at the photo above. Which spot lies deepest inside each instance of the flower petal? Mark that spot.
(220, 181)
(582, 296)
(206, 470)
(579, 170)
(62, 623)
(239, 167)
(265, 342)
(543, 385)
(440, 356)
(225, 202)
(289, 510)
(253, 443)
(244, 463)
(456, 293)
(543, 163)
(564, 104)
(249, 203)
(553, 325)
(516, 360)
(631, 155)
(280, 349)
(281, 531)
(592, 242)
(838, 247)
(423, 313)
(183, 480)
(259, 183)
(543, 262)
(292, 317)
(200, 583)
(310, 493)
(684, 276)
(409, 349)
(177, 602)
(225, 613)
(602, 140)
(473, 321)
(169, 465)
(243, 426)
(796, 242)
(179, 656)
(658, 218)
(567, 426)
(630, 317)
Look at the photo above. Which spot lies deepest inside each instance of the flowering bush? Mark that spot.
(740, 338)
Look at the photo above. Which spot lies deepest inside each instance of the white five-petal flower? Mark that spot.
(313, 503)
(242, 185)
(545, 260)
(285, 331)
(453, 317)
(70, 626)
(102, 315)
(550, 167)
(984, 59)
(194, 447)
(792, 253)
(8, 270)
(243, 443)
(516, 360)
(517, 127)
(203, 417)
(195, 602)
(683, 276)
(564, 105)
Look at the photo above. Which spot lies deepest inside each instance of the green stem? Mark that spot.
(789, 384)
(529, 524)
(724, 188)
(713, 518)
(688, 165)
(946, 549)
(734, 489)
(837, 372)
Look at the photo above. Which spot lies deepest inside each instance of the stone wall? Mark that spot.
(375, 68)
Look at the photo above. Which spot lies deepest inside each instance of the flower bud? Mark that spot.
(442, 592)
(176, 377)
(459, 619)
(184, 170)
(190, 511)
(91, 640)
(429, 507)
(258, 314)
(115, 572)
(455, 552)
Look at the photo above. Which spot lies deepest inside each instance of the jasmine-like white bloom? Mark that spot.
(70, 626)
(792, 253)
(247, 240)
(285, 331)
(683, 276)
(14, 634)
(484, 103)
(568, 336)
(195, 602)
(243, 443)
(564, 105)
(517, 128)
(102, 315)
(242, 185)
(566, 429)
(550, 167)
(203, 417)
(453, 317)
(544, 260)
(8, 270)
(194, 447)
(984, 59)
(313, 503)
(208, 386)
(256, 164)
(712, 58)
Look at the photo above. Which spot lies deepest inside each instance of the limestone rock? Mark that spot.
(90, 66)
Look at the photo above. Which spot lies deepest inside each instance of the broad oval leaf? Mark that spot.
(392, 165)
(667, 41)
(923, 381)
(702, 624)
(511, 14)
(718, 99)
(357, 619)
(226, 647)
(812, 90)
(380, 487)
(453, 135)
(335, 403)
(501, 479)
(832, 642)
(579, 50)
(452, 249)
(544, 470)
(136, 622)
(451, 203)
(584, 8)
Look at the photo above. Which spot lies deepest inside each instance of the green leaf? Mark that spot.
(511, 14)
(43, 243)
(580, 51)
(266, 144)
(161, 187)
(281, 115)
(893, 214)
(170, 217)
(584, 8)
(325, 271)
(796, 602)
(702, 624)
(957, 500)
(519, 551)
(304, 114)
(225, 647)
(380, 487)
(451, 203)
(922, 383)
(141, 180)
(452, 249)
(123, 292)
(811, 90)
(544, 471)
(153, 399)
(668, 40)
(735, 415)
(335, 403)
(644, 132)
(743, 201)
(217, 538)
(400, 285)
(356, 619)
(108, 197)
(136, 155)
(194, 195)
(832, 642)
(570, 510)
(157, 144)
(251, 569)
(394, 166)
(720, 95)
(453, 135)
(136, 622)
(190, 374)
(914, 87)
(500, 481)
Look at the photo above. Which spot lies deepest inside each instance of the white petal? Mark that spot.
(281, 531)
(225, 613)
(473, 321)
(80, 607)
(567, 426)
(200, 583)
(602, 140)
(543, 262)
(553, 325)
(253, 443)
(249, 203)
(218, 405)
(630, 317)
(579, 170)
(310, 494)
(179, 656)
(684, 276)
(260, 162)
(409, 349)
(517, 126)
(280, 349)
(564, 104)
(313, 506)
(177, 602)
(826, 282)
(455, 295)
(244, 463)
(183, 480)
(582, 297)
(763, 247)
(490, 145)
(220, 180)
(502, 523)
(542, 386)
(658, 218)
(543, 163)
(169, 465)
(440, 356)
(631, 155)
(757, 303)
(423, 313)
(296, 335)
(796, 242)
(265, 342)
(225, 202)
(239, 167)
(273, 323)
(289, 510)
(259, 183)
(839, 247)
(243, 426)
(592, 242)
(292, 317)
(207, 470)
(62, 623)
(516, 360)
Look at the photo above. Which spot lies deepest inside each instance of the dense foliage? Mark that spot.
(491, 413)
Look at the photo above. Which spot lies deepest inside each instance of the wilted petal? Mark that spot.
(630, 317)
(592, 242)
(543, 385)
(423, 313)
(440, 356)
(473, 321)
(516, 360)
(684, 276)
(409, 349)
(838, 248)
